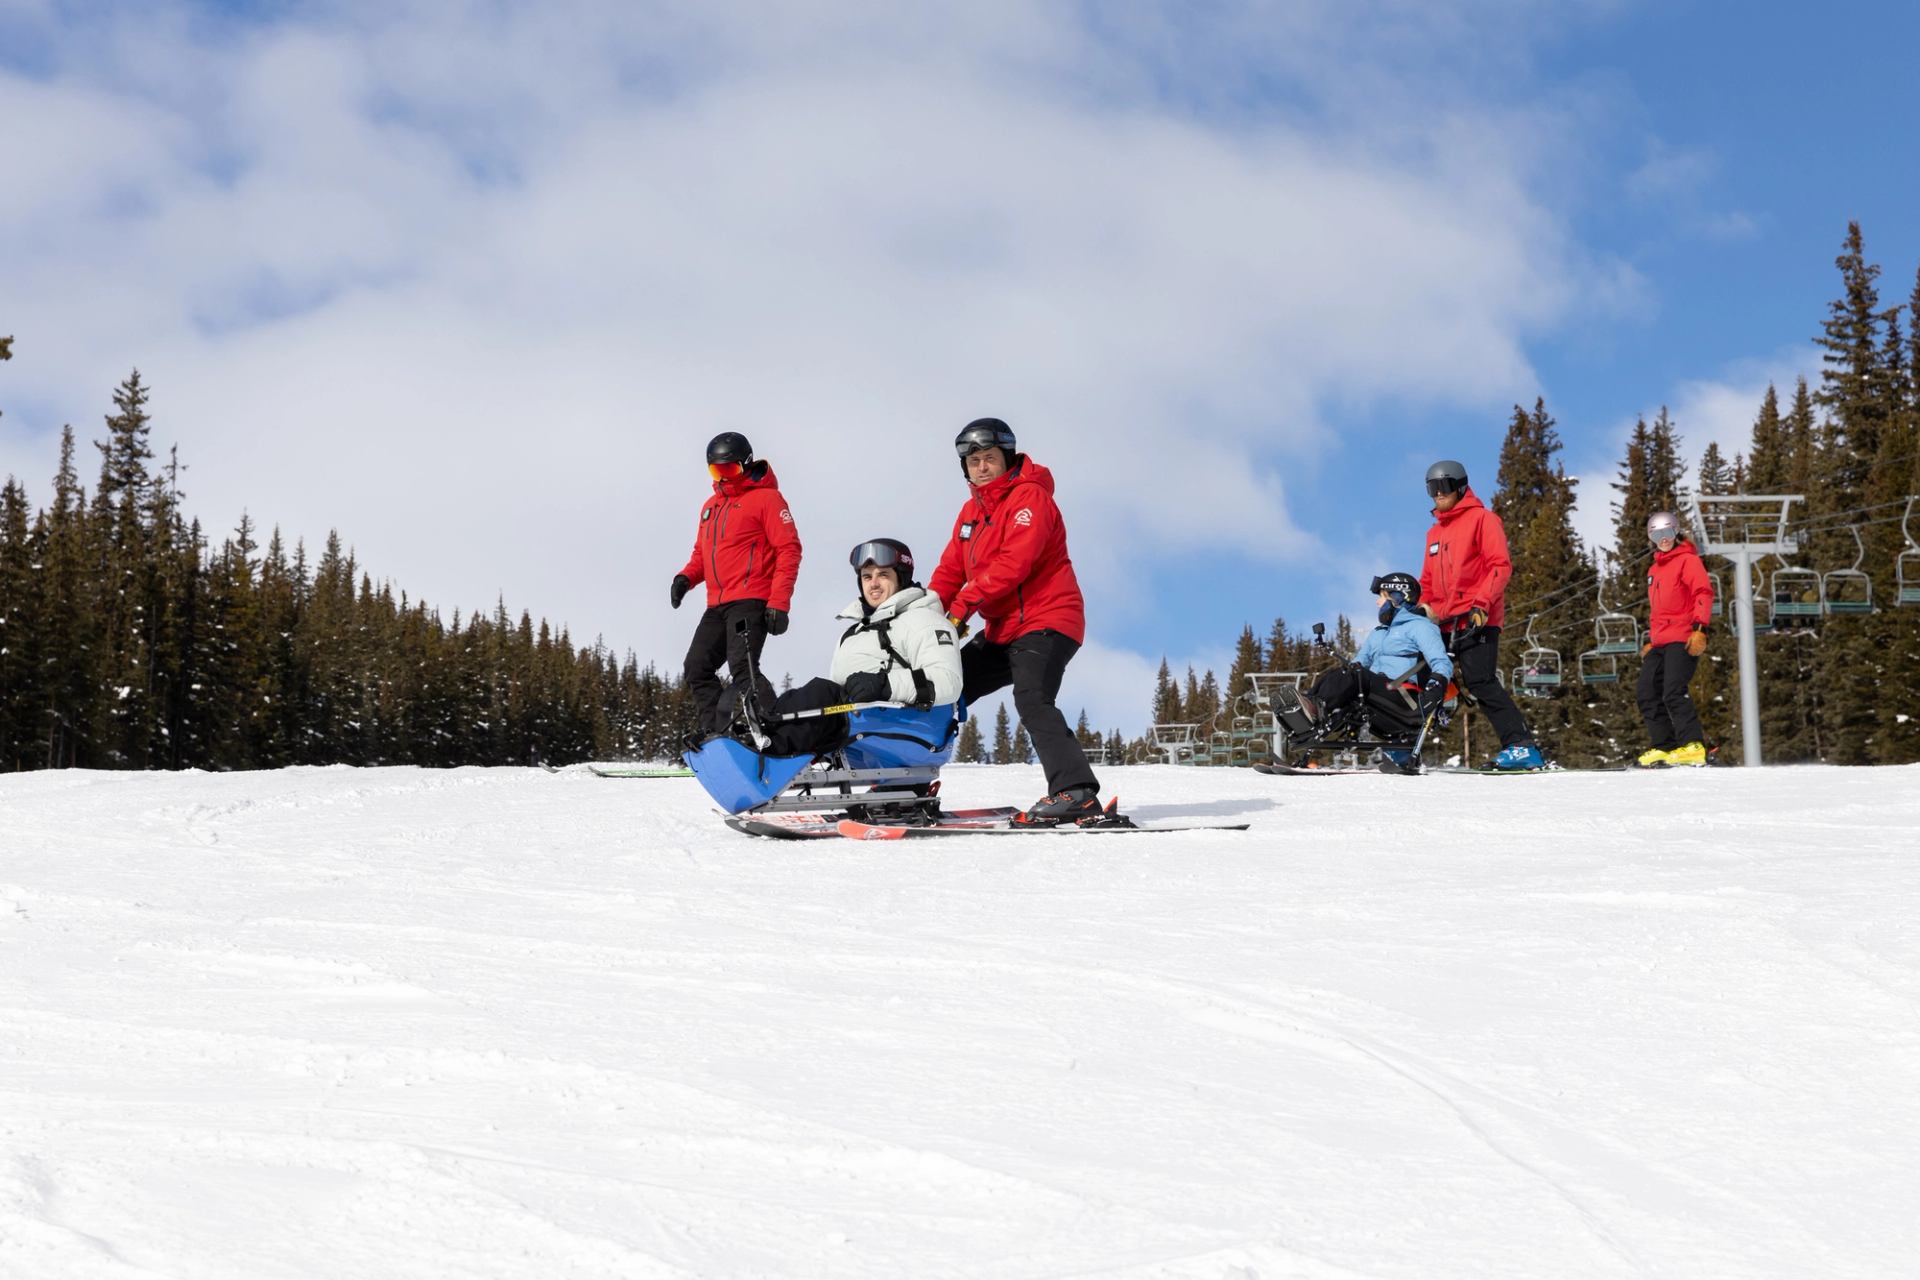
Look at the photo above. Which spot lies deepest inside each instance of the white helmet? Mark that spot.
(1662, 524)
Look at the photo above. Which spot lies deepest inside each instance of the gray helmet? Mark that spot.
(1446, 476)
(1662, 524)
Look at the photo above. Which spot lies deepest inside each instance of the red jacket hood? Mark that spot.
(1023, 471)
(1680, 548)
(1469, 501)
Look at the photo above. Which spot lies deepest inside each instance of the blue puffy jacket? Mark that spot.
(1395, 647)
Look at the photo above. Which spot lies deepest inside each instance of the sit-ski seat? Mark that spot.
(885, 746)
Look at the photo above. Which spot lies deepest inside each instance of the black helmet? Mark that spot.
(1446, 476)
(983, 433)
(1404, 585)
(886, 553)
(729, 446)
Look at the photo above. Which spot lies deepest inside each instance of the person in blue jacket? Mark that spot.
(1390, 655)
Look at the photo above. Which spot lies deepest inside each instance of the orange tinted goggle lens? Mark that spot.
(725, 470)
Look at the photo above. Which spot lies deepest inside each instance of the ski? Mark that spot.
(641, 771)
(853, 830)
(814, 826)
(1308, 771)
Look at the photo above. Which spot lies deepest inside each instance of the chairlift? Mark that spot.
(1796, 592)
(1906, 566)
(1614, 633)
(1716, 608)
(1538, 674)
(1176, 740)
(1849, 591)
(1598, 667)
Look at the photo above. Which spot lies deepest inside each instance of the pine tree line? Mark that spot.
(130, 640)
(1842, 689)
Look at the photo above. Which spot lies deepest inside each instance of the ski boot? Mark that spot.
(1520, 757)
(1691, 756)
(1076, 806)
(1656, 758)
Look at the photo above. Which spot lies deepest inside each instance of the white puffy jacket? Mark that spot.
(915, 625)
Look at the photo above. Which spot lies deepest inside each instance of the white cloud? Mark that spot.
(474, 283)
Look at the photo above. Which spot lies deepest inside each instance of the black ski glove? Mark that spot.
(678, 592)
(867, 686)
(1433, 693)
(776, 622)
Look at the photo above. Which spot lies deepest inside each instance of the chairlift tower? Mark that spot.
(1743, 527)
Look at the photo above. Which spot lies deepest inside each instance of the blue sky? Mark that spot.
(474, 282)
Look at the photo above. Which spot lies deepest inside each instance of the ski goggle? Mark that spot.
(726, 470)
(881, 554)
(1661, 527)
(1444, 484)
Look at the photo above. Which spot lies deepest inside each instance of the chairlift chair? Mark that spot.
(1796, 593)
(1614, 633)
(1906, 566)
(1849, 591)
(1599, 666)
(1538, 674)
(1719, 594)
(1176, 740)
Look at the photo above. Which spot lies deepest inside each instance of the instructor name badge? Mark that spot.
(1433, 548)
(966, 530)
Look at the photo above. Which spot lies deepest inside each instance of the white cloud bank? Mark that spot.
(475, 283)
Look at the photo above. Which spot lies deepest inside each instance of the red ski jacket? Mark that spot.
(1679, 594)
(1007, 560)
(747, 547)
(1466, 565)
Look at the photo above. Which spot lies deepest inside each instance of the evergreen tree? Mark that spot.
(1715, 475)
(1022, 745)
(1769, 457)
(1247, 660)
(1002, 737)
(1167, 708)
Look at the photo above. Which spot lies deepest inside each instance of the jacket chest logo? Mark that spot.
(1023, 516)
(1433, 548)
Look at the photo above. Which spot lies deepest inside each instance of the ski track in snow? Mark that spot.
(507, 1023)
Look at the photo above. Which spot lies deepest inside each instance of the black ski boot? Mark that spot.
(1075, 804)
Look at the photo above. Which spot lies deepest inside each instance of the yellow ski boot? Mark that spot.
(1654, 759)
(1693, 755)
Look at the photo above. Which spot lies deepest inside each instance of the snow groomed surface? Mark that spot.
(505, 1023)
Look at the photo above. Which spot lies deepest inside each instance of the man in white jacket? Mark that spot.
(901, 647)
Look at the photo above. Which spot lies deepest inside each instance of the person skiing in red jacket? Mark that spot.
(1007, 562)
(1463, 582)
(1680, 605)
(747, 551)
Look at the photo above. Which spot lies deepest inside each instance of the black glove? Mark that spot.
(1433, 692)
(776, 622)
(681, 585)
(867, 686)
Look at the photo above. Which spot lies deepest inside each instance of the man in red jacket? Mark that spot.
(1680, 600)
(1007, 561)
(1463, 584)
(747, 551)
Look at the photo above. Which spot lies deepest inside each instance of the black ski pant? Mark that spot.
(811, 736)
(1033, 664)
(1665, 673)
(1476, 667)
(718, 638)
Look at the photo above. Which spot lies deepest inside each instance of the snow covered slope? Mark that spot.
(493, 1023)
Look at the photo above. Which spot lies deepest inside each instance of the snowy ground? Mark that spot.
(498, 1023)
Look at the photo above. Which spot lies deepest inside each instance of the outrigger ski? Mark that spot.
(641, 771)
(853, 830)
(1309, 771)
